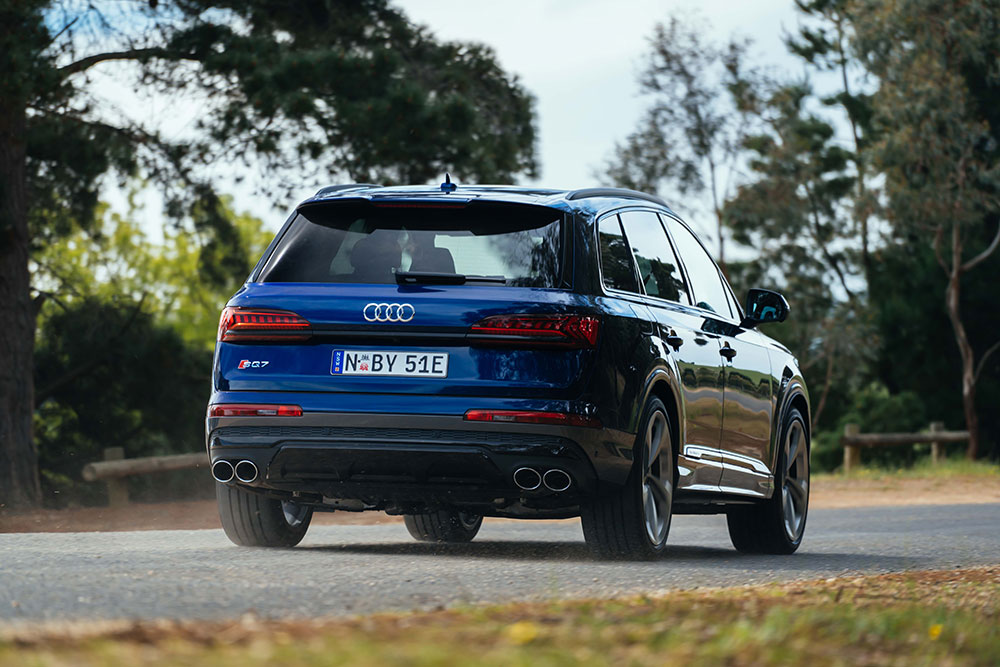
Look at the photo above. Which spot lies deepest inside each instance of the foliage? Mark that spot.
(124, 349)
(939, 148)
(117, 260)
(875, 410)
(305, 90)
(109, 375)
(794, 210)
(846, 199)
(915, 349)
(690, 133)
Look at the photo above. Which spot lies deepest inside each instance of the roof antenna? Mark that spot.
(447, 186)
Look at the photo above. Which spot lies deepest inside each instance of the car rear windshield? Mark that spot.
(518, 246)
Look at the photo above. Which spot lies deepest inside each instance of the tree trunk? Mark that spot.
(19, 484)
(952, 297)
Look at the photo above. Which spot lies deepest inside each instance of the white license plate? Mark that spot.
(404, 364)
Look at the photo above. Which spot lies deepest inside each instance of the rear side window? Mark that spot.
(706, 279)
(659, 270)
(516, 246)
(616, 260)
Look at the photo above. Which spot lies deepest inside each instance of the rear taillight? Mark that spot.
(532, 417)
(579, 331)
(253, 410)
(246, 325)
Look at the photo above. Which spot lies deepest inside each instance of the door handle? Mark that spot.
(671, 338)
(727, 352)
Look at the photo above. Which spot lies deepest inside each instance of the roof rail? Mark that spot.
(622, 193)
(330, 189)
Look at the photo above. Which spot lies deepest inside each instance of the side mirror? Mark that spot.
(764, 306)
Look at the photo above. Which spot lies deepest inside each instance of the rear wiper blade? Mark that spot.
(434, 278)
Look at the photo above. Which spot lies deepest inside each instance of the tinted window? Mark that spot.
(706, 281)
(351, 244)
(659, 271)
(616, 260)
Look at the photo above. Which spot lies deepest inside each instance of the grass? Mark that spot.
(922, 469)
(920, 618)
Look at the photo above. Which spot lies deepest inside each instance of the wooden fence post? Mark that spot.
(118, 487)
(852, 453)
(937, 449)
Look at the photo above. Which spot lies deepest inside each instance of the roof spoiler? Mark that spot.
(331, 189)
(621, 193)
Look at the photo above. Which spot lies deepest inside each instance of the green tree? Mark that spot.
(793, 211)
(938, 108)
(302, 87)
(689, 137)
(824, 43)
(125, 341)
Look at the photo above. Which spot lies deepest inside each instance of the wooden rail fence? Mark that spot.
(115, 468)
(853, 440)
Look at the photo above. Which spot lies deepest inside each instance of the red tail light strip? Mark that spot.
(253, 410)
(250, 325)
(579, 331)
(532, 417)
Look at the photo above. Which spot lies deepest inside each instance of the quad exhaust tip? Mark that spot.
(557, 480)
(246, 471)
(527, 479)
(223, 471)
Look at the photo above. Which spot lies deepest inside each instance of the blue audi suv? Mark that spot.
(455, 352)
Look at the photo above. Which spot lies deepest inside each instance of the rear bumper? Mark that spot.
(408, 462)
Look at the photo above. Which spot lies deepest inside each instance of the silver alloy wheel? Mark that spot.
(294, 513)
(657, 493)
(795, 489)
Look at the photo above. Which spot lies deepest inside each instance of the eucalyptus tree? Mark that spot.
(824, 42)
(938, 110)
(302, 88)
(689, 138)
(793, 210)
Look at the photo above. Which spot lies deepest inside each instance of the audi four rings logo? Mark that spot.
(388, 312)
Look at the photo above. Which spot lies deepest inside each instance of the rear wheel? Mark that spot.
(443, 526)
(776, 526)
(252, 520)
(634, 521)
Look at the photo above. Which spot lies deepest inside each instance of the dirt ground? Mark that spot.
(827, 492)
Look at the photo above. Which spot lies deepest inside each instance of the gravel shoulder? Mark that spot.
(828, 492)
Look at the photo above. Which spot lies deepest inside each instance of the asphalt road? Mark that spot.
(358, 569)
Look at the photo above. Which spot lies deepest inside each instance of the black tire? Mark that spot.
(252, 520)
(623, 523)
(443, 526)
(773, 526)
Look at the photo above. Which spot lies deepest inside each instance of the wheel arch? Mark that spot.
(798, 400)
(662, 384)
(792, 394)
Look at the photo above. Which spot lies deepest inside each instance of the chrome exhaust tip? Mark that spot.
(557, 480)
(527, 479)
(246, 471)
(223, 471)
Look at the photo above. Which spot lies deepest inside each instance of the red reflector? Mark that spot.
(563, 330)
(247, 325)
(532, 417)
(253, 410)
